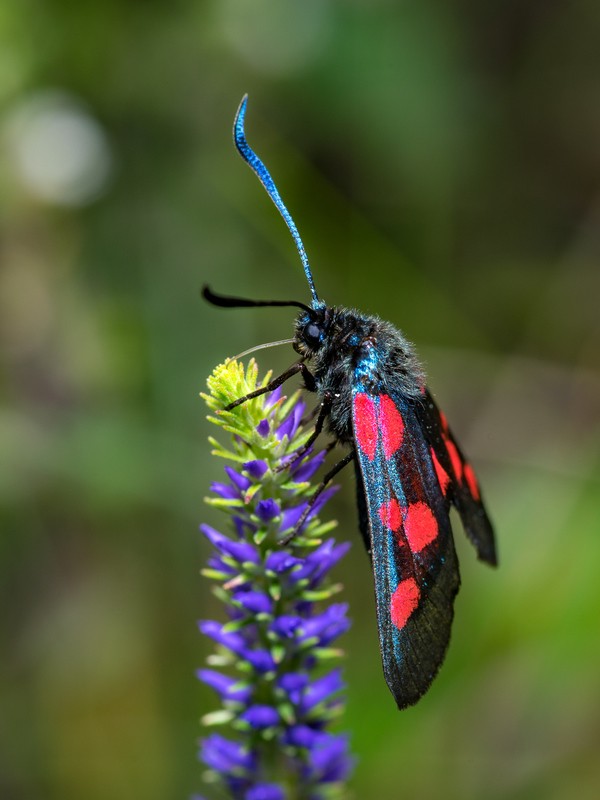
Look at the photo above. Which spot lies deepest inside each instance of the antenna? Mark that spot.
(262, 347)
(262, 173)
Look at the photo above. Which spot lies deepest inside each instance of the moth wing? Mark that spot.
(457, 479)
(404, 515)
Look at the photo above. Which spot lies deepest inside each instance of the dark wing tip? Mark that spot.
(490, 556)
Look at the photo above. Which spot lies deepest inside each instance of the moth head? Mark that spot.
(311, 330)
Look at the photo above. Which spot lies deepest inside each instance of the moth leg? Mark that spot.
(323, 412)
(299, 366)
(313, 414)
(315, 496)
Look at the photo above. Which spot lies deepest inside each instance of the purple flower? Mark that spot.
(227, 687)
(286, 625)
(233, 641)
(260, 716)
(321, 689)
(320, 561)
(267, 509)
(256, 469)
(327, 626)
(257, 602)
(291, 516)
(240, 551)
(263, 428)
(225, 756)
(273, 397)
(281, 561)
(329, 759)
(225, 491)
(265, 791)
(290, 425)
(275, 696)
(301, 736)
(261, 660)
(241, 481)
(307, 468)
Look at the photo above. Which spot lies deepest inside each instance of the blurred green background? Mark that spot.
(442, 162)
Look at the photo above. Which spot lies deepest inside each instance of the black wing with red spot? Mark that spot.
(457, 479)
(404, 518)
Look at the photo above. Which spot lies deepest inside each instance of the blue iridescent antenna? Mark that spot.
(254, 162)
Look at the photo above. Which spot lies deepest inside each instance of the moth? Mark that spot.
(409, 468)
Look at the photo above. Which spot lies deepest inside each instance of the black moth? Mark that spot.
(409, 468)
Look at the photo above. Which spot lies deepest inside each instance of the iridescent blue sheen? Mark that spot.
(265, 178)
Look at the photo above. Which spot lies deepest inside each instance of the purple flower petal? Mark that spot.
(265, 791)
(214, 562)
(241, 551)
(225, 756)
(263, 428)
(321, 560)
(257, 602)
(293, 684)
(286, 625)
(267, 509)
(320, 689)
(280, 560)
(290, 516)
(290, 425)
(261, 660)
(214, 536)
(241, 481)
(273, 397)
(301, 736)
(327, 625)
(328, 560)
(243, 527)
(256, 469)
(292, 681)
(224, 685)
(260, 716)
(329, 758)
(307, 469)
(214, 630)
(225, 490)
(322, 499)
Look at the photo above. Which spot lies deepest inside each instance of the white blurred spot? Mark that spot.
(59, 151)
(276, 36)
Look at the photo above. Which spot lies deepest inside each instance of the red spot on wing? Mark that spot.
(420, 526)
(392, 425)
(404, 601)
(365, 424)
(390, 515)
(442, 475)
(471, 481)
(454, 458)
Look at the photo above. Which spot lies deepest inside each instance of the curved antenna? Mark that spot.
(262, 173)
(226, 301)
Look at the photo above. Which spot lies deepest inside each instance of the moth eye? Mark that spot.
(312, 333)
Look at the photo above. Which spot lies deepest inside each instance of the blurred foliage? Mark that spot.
(442, 163)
